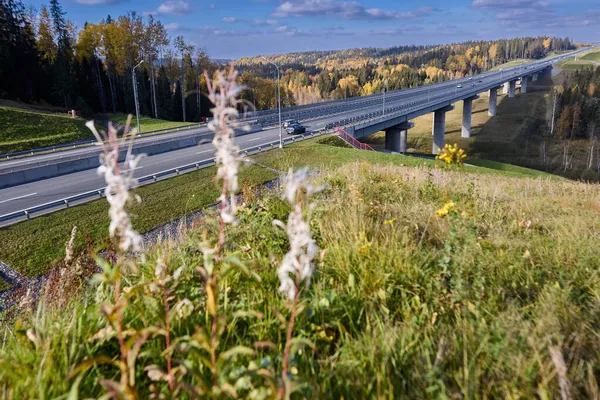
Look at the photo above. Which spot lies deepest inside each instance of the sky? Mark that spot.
(230, 29)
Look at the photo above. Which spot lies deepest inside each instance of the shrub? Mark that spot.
(451, 154)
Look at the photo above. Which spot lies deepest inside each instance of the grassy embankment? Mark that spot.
(31, 246)
(592, 56)
(25, 128)
(28, 129)
(497, 298)
(147, 123)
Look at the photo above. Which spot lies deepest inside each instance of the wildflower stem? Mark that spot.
(221, 223)
(213, 335)
(168, 335)
(288, 342)
(119, 321)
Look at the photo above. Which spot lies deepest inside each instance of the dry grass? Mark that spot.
(496, 299)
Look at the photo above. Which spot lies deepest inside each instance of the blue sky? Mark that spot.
(236, 28)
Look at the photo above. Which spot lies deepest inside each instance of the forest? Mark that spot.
(575, 114)
(46, 59)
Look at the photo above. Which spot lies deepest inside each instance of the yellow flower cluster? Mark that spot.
(448, 208)
(451, 154)
(364, 243)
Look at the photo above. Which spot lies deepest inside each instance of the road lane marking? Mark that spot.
(127, 170)
(205, 151)
(17, 198)
(252, 140)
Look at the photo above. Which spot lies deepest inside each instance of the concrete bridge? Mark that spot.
(396, 123)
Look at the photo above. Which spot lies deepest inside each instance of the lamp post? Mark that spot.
(137, 106)
(278, 101)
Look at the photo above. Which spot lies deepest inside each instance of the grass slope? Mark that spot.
(31, 246)
(24, 130)
(592, 56)
(498, 298)
(147, 123)
(29, 128)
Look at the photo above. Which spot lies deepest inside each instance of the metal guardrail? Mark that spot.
(99, 193)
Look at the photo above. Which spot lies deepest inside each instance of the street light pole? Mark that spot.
(278, 101)
(137, 106)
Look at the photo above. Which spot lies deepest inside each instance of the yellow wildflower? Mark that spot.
(446, 209)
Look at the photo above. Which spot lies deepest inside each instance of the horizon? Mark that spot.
(234, 29)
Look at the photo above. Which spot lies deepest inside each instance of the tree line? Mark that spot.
(324, 75)
(43, 59)
(575, 114)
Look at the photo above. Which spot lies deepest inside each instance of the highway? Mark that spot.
(315, 117)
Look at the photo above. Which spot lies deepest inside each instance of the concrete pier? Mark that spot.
(439, 128)
(512, 88)
(524, 84)
(396, 137)
(493, 102)
(467, 116)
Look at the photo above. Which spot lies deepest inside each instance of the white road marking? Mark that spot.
(252, 140)
(17, 198)
(127, 170)
(205, 151)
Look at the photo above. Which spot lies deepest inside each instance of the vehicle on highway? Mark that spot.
(459, 86)
(295, 129)
(479, 81)
(289, 122)
(472, 84)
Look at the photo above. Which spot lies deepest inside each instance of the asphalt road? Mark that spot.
(36, 193)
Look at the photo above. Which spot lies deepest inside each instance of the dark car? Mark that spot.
(289, 122)
(295, 129)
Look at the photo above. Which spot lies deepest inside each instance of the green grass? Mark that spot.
(4, 285)
(510, 169)
(24, 130)
(571, 65)
(512, 63)
(33, 247)
(592, 56)
(147, 123)
(404, 303)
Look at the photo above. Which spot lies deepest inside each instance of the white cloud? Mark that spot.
(94, 2)
(172, 26)
(171, 7)
(509, 3)
(229, 19)
(342, 9)
(265, 22)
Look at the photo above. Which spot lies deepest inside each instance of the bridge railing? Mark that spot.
(352, 141)
(67, 202)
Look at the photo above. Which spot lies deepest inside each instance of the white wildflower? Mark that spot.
(70, 246)
(118, 184)
(222, 93)
(298, 262)
(184, 308)
(161, 269)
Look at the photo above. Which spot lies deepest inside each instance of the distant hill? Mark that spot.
(485, 53)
